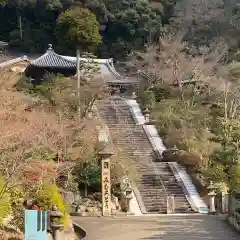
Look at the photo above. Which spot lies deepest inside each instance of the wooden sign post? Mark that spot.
(106, 184)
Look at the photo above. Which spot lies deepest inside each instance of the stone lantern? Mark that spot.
(127, 194)
(134, 96)
(56, 225)
(129, 197)
(147, 115)
(211, 195)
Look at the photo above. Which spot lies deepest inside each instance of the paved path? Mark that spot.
(188, 227)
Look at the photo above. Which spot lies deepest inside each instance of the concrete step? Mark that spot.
(135, 143)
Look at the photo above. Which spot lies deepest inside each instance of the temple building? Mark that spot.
(54, 63)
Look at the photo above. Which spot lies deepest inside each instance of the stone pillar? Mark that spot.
(105, 182)
(129, 197)
(211, 194)
(170, 204)
(212, 202)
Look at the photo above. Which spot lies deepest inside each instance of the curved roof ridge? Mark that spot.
(97, 60)
(52, 59)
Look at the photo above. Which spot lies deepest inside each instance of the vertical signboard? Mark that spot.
(106, 187)
(35, 225)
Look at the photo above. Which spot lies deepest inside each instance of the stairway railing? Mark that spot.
(133, 144)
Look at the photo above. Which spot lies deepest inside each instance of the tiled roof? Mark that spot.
(51, 59)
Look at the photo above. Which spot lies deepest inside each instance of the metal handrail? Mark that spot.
(134, 144)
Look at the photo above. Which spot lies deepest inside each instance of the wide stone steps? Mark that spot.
(156, 178)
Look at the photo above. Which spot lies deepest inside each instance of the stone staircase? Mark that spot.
(156, 178)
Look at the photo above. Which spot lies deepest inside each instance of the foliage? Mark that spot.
(49, 196)
(5, 201)
(79, 27)
(62, 93)
(18, 218)
(16, 194)
(123, 25)
(3, 2)
(40, 142)
(127, 25)
(11, 236)
(186, 97)
(88, 175)
(226, 159)
(234, 69)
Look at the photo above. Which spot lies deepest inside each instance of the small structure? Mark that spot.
(54, 63)
(211, 194)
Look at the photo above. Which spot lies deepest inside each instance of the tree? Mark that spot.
(20, 5)
(227, 134)
(3, 2)
(79, 27)
(226, 159)
(126, 25)
(88, 176)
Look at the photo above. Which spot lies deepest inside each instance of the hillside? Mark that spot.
(190, 84)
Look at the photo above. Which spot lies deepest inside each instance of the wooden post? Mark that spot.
(20, 27)
(106, 183)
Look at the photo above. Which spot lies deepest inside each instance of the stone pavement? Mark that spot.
(158, 227)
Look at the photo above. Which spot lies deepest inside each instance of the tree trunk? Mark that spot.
(78, 82)
(85, 189)
(20, 27)
(228, 6)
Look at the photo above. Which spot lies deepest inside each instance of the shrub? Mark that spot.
(18, 218)
(16, 195)
(234, 69)
(49, 196)
(5, 202)
(89, 177)
(24, 84)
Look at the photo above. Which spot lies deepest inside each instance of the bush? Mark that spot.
(49, 196)
(18, 218)
(23, 84)
(16, 195)
(5, 202)
(234, 69)
(89, 176)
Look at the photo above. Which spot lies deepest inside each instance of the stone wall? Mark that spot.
(234, 219)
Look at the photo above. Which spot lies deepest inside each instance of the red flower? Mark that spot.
(36, 207)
